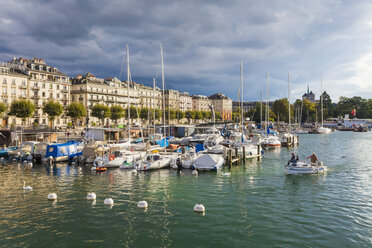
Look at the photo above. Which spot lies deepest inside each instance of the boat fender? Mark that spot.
(262, 152)
(111, 157)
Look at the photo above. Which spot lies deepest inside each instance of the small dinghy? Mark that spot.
(208, 162)
(301, 167)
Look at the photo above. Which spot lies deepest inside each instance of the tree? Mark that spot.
(280, 107)
(158, 114)
(198, 115)
(101, 112)
(52, 109)
(116, 113)
(22, 109)
(133, 112)
(144, 113)
(218, 115)
(76, 111)
(180, 114)
(3, 108)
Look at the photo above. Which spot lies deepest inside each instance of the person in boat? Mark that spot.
(313, 158)
(293, 159)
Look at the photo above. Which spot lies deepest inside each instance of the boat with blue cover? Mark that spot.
(63, 152)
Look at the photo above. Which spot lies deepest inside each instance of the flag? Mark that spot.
(353, 112)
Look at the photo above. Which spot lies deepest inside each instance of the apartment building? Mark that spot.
(90, 90)
(200, 103)
(185, 101)
(222, 104)
(35, 80)
(149, 97)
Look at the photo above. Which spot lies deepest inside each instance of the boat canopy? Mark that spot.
(60, 150)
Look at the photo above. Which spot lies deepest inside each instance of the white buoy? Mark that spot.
(91, 196)
(24, 162)
(142, 204)
(93, 168)
(52, 196)
(199, 208)
(195, 172)
(134, 171)
(29, 164)
(226, 174)
(26, 187)
(175, 167)
(109, 201)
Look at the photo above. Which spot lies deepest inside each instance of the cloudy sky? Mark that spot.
(204, 42)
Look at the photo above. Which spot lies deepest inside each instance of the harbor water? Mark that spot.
(256, 206)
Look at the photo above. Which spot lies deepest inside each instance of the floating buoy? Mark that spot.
(24, 162)
(93, 168)
(226, 174)
(52, 196)
(175, 167)
(26, 187)
(29, 164)
(142, 204)
(91, 196)
(134, 171)
(101, 169)
(109, 201)
(195, 172)
(199, 208)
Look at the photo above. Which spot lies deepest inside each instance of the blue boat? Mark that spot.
(63, 152)
(4, 152)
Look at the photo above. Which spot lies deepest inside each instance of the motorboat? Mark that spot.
(324, 130)
(271, 142)
(303, 167)
(155, 161)
(208, 162)
(62, 152)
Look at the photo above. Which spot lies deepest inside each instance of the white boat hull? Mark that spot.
(208, 162)
(304, 168)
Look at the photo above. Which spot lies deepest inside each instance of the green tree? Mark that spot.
(198, 115)
(116, 113)
(3, 108)
(144, 113)
(280, 108)
(76, 111)
(158, 114)
(101, 112)
(218, 115)
(22, 109)
(180, 114)
(52, 109)
(133, 112)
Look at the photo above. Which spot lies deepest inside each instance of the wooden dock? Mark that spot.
(233, 157)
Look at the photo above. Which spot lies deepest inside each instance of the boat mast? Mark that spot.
(162, 81)
(267, 100)
(241, 95)
(128, 78)
(321, 98)
(261, 107)
(289, 103)
(153, 104)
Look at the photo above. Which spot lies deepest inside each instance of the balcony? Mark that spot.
(36, 97)
(23, 86)
(64, 90)
(36, 87)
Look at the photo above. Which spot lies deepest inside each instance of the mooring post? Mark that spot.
(243, 154)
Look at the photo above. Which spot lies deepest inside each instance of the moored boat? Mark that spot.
(302, 167)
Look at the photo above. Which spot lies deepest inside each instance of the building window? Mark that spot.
(57, 95)
(43, 86)
(73, 98)
(4, 81)
(4, 91)
(57, 87)
(43, 94)
(23, 93)
(51, 86)
(51, 95)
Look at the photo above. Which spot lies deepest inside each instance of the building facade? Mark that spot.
(185, 101)
(90, 90)
(200, 103)
(222, 104)
(149, 97)
(33, 79)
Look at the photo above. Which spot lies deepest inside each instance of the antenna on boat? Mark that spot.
(162, 81)
(241, 92)
(289, 101)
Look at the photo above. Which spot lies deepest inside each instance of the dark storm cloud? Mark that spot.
(204, 41)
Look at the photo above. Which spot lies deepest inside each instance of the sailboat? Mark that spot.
(156, 160)
(322, 129)
(270, 141)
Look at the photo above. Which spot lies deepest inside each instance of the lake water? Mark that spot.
(257, 206)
